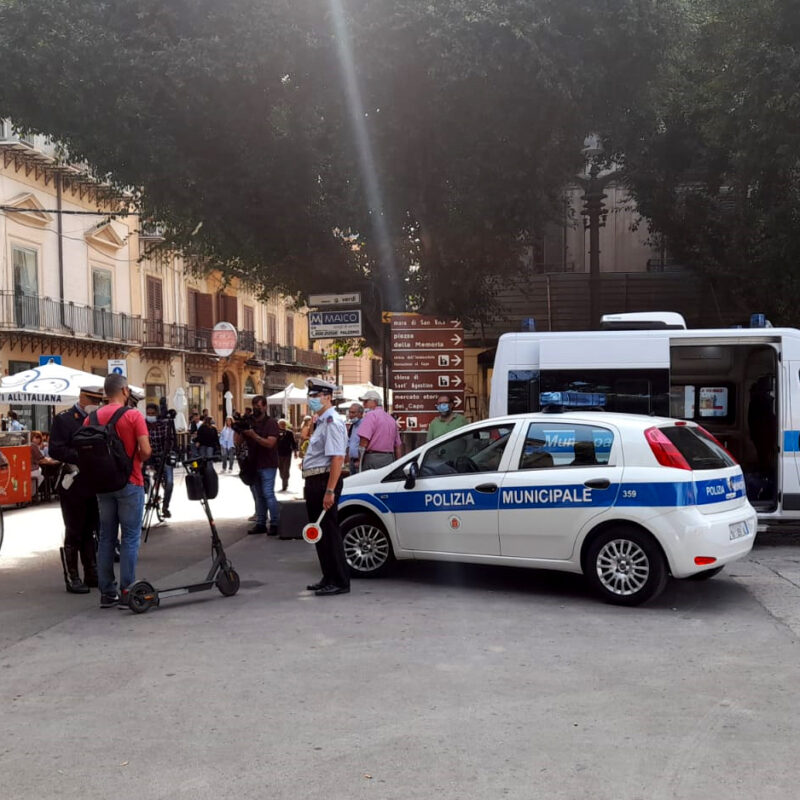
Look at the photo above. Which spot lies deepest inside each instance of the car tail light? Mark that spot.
(703, 561)
(703, 432)
(665, 452)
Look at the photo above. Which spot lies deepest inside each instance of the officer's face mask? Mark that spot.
(443, 409)
(315, 404)
(90, 409)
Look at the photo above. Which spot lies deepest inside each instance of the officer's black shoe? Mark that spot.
(313, 587)
(327, 591)
(76, 586)
(258, 529)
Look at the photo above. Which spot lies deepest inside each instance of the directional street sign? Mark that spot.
(334, 324)
(327, 300)
(427, 360)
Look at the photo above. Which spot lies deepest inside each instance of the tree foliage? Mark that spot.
(236, 122)
(714, 158)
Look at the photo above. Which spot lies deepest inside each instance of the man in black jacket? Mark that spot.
(78, 500)
(287, 447)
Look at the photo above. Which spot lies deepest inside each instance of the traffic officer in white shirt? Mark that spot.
(322, 470)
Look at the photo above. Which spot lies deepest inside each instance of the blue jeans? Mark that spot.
(228, 457)
(264, 494)
(121, 509)
(206, 451)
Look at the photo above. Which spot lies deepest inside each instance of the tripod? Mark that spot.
(154, 501)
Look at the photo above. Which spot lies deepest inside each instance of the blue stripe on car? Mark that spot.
(664, 495)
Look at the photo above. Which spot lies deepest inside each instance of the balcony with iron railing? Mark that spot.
(31, 313)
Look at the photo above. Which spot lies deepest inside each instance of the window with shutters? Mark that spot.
(289, 330)
(272, 329)
(249, 318)
(191, 307)
(227, 309)
(155, 312)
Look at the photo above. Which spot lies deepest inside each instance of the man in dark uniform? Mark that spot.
(78, 501)
(322, 470)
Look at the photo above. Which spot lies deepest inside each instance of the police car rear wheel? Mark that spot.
(626, 567)
(366, 547)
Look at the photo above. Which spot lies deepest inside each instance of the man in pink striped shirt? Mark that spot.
(378, 435)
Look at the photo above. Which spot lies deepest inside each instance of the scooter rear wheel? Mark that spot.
(142, 597)
(228, 582)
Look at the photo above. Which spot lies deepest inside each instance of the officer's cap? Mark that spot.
(317, 386)
(95, 392)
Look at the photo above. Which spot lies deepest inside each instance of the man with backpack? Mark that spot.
(111, 448)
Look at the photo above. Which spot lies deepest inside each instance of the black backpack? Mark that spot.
(104, 464)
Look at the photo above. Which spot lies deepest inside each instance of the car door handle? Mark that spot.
(597, 483)
(486, 488)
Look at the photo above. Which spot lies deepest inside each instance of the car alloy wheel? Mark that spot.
(366, 546)
(626, 566)
(622, 567)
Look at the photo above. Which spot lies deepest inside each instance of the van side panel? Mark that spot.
(790, 440)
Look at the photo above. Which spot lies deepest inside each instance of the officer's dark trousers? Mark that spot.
(81, 519)
(330, 550)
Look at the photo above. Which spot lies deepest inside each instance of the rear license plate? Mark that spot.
(739, 530)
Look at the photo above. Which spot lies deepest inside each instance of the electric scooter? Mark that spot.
(202, 484)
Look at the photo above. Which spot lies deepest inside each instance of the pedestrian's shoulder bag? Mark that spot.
(247, 465)
(103, 462)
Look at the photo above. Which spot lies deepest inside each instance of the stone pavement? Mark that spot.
(443, 681)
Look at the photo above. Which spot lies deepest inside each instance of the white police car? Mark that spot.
(625, 499)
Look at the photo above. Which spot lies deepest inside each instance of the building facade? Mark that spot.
(80, 286)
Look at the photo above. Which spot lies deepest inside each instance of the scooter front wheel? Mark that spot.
(142, 597)
(228, 582)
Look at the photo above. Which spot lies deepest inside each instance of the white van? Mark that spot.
(741, 384)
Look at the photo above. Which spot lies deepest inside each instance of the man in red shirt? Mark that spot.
(121, 509)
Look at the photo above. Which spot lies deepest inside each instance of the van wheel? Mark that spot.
(706, 574)
(625, 566)
(367, 547)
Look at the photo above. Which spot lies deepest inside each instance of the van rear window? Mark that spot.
(699, 451)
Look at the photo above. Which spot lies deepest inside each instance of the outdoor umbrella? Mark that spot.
(48, 385)
(179, 404)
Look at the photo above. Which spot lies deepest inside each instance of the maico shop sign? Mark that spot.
(334, 324)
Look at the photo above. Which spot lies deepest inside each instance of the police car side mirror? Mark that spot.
(411, 471)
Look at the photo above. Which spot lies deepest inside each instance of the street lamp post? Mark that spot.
(594, 212)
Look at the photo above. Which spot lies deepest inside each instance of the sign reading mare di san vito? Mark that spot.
(427, 360)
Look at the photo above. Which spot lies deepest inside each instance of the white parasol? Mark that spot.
(179, 404)
(49, 385)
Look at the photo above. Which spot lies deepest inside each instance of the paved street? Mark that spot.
(441, 681)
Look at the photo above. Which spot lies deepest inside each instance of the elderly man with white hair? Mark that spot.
(378, 435)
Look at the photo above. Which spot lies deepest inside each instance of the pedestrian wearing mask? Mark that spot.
(121, 510)
(322, 470)
(261, 440)
(355, 415)
(378, 434)
(77, 498)
(446, 421)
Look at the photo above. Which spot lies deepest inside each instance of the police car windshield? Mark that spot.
(700, 452)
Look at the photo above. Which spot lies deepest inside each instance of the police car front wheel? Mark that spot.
(626, 566)
(366, 547)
